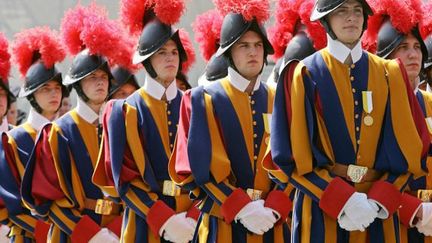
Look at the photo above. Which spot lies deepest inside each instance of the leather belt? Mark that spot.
(169, 188)
(103, 206)
(355, 173)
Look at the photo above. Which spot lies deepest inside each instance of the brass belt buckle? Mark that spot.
(356, 173)
(254, 194)
(170, 189)
(104, 207)
(425, 195)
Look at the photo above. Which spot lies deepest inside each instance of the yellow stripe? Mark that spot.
(129, 230)
(89, 135)
(60, 215)
(203, 228)
(158, 109)
(220, 165)
(370, 135)
(403, 123)
(133, 138)
(241, 104)
(216, 192)
(137, 202)
(224, 232)
(330, 226)
(99, 177)
(299, 131)
(389, 229)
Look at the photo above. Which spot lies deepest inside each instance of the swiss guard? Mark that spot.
(139, 132)
(223, 134)
(36, 51)
(294, 37)
(57, 182)
(397, 35)
(349, 145)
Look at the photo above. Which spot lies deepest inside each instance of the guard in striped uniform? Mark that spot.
(139, 135)
(350, 135)
(57, 182)
(223, 134)
(399, 37)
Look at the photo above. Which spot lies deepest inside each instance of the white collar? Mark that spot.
(85, 112)
(241, 83)
(157, 90)
(4, 127)
(36, 120)
(341, 51)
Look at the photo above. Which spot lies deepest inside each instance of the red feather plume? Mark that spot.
(190, 52)
(72, 25)
(207, 27)
(289, 13)
(125, 51)
(426, 23)
(404, 16)
(259, 9)
(132, 12)
(37, 41)
(5, 64)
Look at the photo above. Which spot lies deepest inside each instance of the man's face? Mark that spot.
(95, 86)
(166, 62)
(347, 22)
(409, 52)
(248, 55)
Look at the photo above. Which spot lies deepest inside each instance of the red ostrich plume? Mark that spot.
(404, 16)
(259, 9)
(136, 13)
(207, 27)
(37, 43)
(125, 51)
(89, 27)
(5, 64)
(289, 14)
(190, 52)
(426, 23)
(72, 25)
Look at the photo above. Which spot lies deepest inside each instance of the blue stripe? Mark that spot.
(280, 141)
(80, 154)
(141, 230)
(117, 139)
(331, 106)
(421, 101)
(376, 231)
(317, 233)
(24, 142)
(199, 143)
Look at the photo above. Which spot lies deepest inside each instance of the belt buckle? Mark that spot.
(356, 173)
(104, 207)
(254, 194)
(425, 195)
(170, 189)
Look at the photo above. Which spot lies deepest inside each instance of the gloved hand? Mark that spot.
(104, 236)
(191, 221)
(382, 211)
(4, 231)
(359, 210)
(256, 218)
(347, 224)
(177, 229)
(425, 224)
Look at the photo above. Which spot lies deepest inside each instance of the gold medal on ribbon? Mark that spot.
(367, 107)
(368, 120)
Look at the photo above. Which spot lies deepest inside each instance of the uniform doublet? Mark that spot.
(319, 126)
(221, 142)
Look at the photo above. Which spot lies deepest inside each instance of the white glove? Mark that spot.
(359, 210)
(347, 224)
(4, 231)
(104, 236)
(382, 213)
(177, 229)
(425, 224)
(256, 218)
(192, 222)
